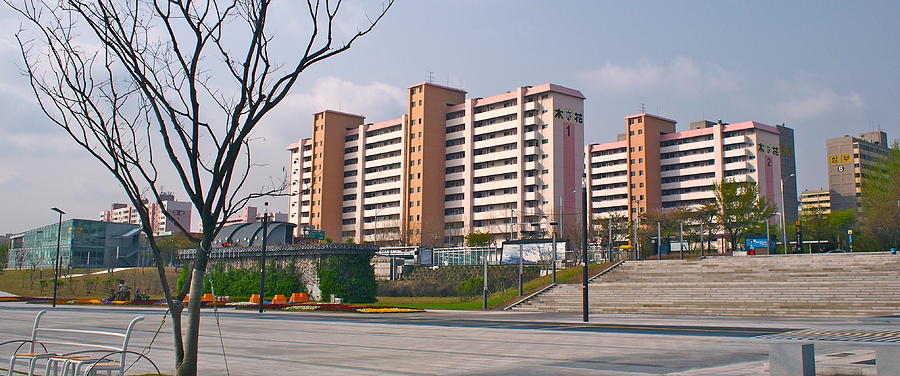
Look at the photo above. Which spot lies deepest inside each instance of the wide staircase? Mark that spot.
(851, 284)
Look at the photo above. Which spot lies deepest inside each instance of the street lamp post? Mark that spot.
(584, 252)
(553, 231)
(262, 258)
(56, 264)
(783, 225)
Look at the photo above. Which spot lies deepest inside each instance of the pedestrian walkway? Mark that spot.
(4, 294)
(839, 334)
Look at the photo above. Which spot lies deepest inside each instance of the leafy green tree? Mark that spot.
(881, 202)
(479, 239)
(739, 207)
(815, 224)
(169, 245)
(839, 222)
(621, 228)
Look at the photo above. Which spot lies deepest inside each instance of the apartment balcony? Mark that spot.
(497, 184)
(609, 192)
(737, 140)
(610, 180)
(688, 171)
(738, 152)
(688, 158)
(609, 158)
(502, 140)
(499, 111)
(738, 165)
(455, 190)
(688, 146)
(514, 153)
(609, 203)
(496, 170)
(533, 196)
(383, 186)
(383, 174)
(742, 178)
(382, 137)
(532, 120)
(608, 169)
(534, 165)
(381, 212)
(382, 199)
(688, 183)
(533, 105)
(690, 196)
(457, 121)
(495, 199)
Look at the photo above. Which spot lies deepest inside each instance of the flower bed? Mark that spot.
(307, 307)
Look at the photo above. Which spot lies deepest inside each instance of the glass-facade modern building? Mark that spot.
(82, 242)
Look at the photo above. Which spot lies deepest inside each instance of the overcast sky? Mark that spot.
(825, 68)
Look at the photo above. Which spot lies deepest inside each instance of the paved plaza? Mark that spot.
(462, 343)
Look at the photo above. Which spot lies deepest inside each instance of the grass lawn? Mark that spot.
(27, 282)
(496, 301)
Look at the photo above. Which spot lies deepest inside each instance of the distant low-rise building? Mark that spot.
(82, 243)
(815, 202)
(251, 214)
(163, 217)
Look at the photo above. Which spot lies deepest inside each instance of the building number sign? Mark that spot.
(568, 115)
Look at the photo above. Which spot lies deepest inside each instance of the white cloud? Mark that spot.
(804, 98)
(682, 74)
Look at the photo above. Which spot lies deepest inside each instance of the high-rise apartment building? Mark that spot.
(448, 167)
(850, 159)
(652, 166)
(818, 202)
(161, 223)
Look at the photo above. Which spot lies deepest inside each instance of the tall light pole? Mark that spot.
(56, 264)
(584, 252)
(553, 231)
(783, 226)
(262, 258)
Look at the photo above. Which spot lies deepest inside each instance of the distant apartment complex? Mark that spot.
(161, 223)
(818, 202)
(251, 214)
(850, 160)
(652, 166)
(513, 163)
(448, 167)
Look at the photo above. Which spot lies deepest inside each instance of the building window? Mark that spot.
(640, 131)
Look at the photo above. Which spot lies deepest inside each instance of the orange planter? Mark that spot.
(254, 298)
(299, 297)
(207, 298)
(279, 299)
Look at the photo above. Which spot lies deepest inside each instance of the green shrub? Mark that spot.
(470, 287)
(245, 282)
(349, 277)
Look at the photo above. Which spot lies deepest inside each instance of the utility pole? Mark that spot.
(521, 269)
(609, 258)
(484, 294)
(658, 241)
(262, 258)
(553, 231)
(681, 240)
(56, 266)
(701, 239)
(584, 252)
(768, 238)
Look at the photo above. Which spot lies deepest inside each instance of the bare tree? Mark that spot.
(154, 88)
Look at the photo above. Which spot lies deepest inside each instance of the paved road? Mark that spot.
(440, 343)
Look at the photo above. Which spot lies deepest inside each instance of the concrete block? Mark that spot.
(792, 359)
(887, 361)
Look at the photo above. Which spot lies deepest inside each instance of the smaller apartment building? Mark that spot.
(652, 166)
(163, 217)
(818, 202)
(850, 160)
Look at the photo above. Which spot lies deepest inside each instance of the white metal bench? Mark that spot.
(90, 354)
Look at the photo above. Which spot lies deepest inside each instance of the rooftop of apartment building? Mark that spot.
(696, 128)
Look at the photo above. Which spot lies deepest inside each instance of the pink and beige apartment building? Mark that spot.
(161, 222)
(450, 166)
(652, 166)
